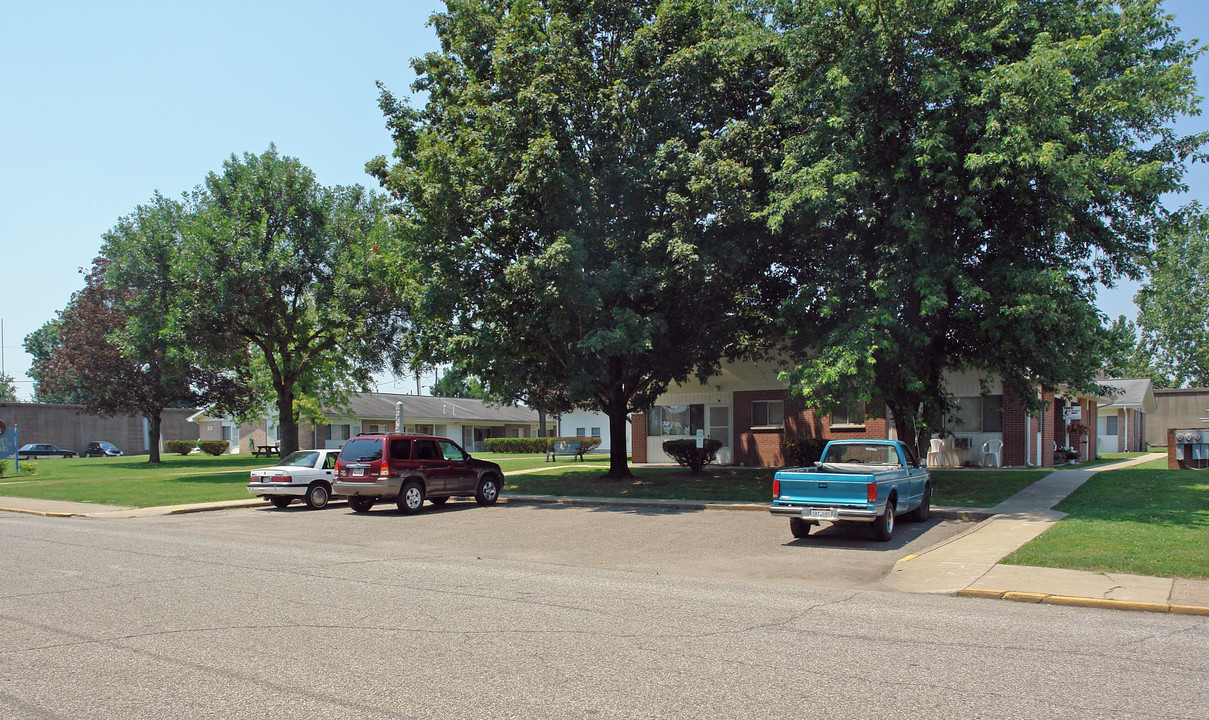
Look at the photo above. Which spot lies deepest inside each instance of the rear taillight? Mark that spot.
(280, 478)
(776, 488)
(871, 492)
(385, 471)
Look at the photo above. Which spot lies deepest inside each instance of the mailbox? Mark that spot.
(1191, 448)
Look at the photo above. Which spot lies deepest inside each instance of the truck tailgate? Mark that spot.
(801, 487)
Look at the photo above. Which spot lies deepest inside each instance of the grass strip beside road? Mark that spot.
(1144, 520)
(134, 482)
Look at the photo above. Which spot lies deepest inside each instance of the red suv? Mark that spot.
(410, 468)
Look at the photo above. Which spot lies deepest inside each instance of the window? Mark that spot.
(336, 432)
(426, 450)
(768, 413)
(226, 433)
(580, 432)
(1110, 425)
(400, 449)
(424, 430)
(849, 414)
(595, 432)
(675, 420)
(452, 452)
(978, 414)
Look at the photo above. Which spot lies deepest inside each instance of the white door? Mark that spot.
(719, 429)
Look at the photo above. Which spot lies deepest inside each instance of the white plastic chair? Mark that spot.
(936, 448)
(993, 449)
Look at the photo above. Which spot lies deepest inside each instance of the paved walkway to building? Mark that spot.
(966, 565)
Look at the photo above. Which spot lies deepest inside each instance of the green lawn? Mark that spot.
(1145, 520)
(980, 488)
(133, 481)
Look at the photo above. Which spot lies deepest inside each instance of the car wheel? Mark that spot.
(411, 498)
(799, 527)
(317, 496)
(438, 501)
(280, 501)
(360, 504)
(883, 526)
(488, 491)
(920, 514)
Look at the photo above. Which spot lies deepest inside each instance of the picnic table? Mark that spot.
(574, 448)
(266, 450)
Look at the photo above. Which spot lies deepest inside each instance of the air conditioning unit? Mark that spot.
(962, 443)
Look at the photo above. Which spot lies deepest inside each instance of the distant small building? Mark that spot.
(468, 422)
(1121, 423)
(72, 427)
(592, 423)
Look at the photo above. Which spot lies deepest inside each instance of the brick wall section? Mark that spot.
(763, 447)
(638, 454)
(1172, 463)
(71, 428)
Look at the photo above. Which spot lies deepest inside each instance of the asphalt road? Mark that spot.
(532, 612)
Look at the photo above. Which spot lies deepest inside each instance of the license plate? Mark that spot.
(820, 514)
(358, 472)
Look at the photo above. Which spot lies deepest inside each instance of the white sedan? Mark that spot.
(305, 474)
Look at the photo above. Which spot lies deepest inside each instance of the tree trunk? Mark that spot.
(541, 423)
(153, 433)
(619, 467)
(287, 425)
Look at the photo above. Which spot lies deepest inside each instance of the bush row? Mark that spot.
(686, 452)
(184, 447)
(534, 445)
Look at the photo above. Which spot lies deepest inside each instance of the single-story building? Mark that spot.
(592, 423)
(1176, 408)
(1121, 423)
(72, 427)
(748, 408)
(468, 422)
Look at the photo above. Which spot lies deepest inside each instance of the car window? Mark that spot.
(449, 451)
(400, 449)
(329, 462)
(301, 458)
(426, 450)
(362, 450)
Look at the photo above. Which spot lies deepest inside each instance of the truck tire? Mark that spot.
(883, 526)
(488, 491)
(799, 527)
(920, 514)
(411, 498)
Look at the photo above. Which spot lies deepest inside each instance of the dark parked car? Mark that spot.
(97, 448)
(411, 468)
(37, 450)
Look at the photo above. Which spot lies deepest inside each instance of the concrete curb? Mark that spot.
(1067, 600)
(43, 513)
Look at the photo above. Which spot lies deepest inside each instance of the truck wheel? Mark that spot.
(489, 490)
(883, 526)
(799, 527)
(317, 496)
(920, 514)
(411, 498)
(360, 504)
(280, 501)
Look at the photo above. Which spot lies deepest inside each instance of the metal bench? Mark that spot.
(574, 448)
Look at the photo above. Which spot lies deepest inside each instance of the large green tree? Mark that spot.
(279, 269)
(41, 344)
(962, 173)
(1173, 305)
(8, 389)
(578, 193)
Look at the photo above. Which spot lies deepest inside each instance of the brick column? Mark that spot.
(638, 433)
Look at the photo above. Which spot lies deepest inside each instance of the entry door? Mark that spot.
(719, 429)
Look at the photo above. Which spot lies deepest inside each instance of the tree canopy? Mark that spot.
(1173, 305)
(578, 195)
(8, 389)
(961, 174)
(283, 280)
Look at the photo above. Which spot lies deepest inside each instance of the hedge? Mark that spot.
(182, 447)
(534, 445)
(214, 447)
(802, 451)
(686, 452)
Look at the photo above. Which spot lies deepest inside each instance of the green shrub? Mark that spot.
(3, 467)
(802, 451)
(214, 447)
(183, 447)
(686, 452)
(29, 467)
(535, 445)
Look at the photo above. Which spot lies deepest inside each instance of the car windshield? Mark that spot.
(362, 450)
(870, 454)
(302, 458)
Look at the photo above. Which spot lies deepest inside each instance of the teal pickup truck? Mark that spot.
(869, 481)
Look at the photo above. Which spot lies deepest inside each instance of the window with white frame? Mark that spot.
(768, 413)
(595, 432)
(675, 420)
(580, 432)
(336, 432)
(977, 414)
(849, 414)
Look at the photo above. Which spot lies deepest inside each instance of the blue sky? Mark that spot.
(106, 103)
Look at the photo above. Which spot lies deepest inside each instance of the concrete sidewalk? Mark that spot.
(968, 564)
